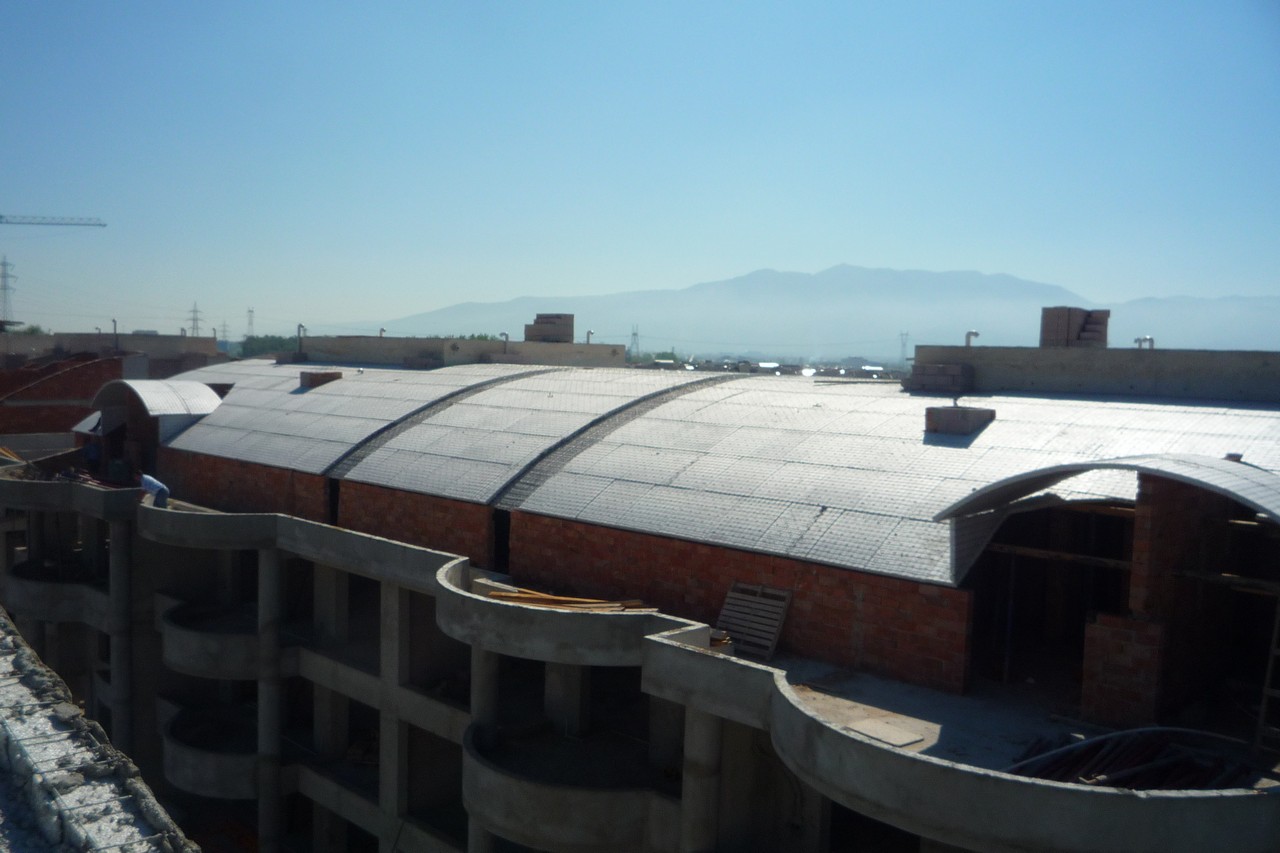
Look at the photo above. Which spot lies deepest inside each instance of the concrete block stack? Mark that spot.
(550, 328)
(1073, 327)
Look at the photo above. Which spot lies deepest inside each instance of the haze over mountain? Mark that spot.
(848, 310)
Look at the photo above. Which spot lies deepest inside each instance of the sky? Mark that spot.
(342, 164)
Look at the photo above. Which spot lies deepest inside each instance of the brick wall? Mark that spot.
(1142, 667)
(1123, 657)
(234, 486)
(445, 525)
(53, 398)
(902, 629)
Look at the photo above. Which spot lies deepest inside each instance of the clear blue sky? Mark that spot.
(331, 162)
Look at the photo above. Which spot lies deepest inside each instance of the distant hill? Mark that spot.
(849, 310)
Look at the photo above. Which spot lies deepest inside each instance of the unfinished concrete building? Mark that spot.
(292, 651)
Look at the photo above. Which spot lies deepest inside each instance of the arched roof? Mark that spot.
(1254, 487)
(159, 396)
(837, 473)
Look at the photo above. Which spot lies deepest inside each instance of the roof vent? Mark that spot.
(1234, 457)
(957, 420)
(316, 378)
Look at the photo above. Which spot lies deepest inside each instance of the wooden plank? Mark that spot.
(1059, 556)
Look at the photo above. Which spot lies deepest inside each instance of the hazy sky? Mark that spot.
(340, 162)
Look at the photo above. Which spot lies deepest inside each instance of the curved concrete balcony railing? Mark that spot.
(211, 642)
(542, 633)
(548, 816)
(192, 529)
(213, 752)
(988, 810)
(53, 600)
(69, 496)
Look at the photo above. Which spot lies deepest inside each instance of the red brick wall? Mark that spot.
(910, 631)
(1122, 664)
(234, 486)
(67, 386)
(445, 525)
(1144, 666)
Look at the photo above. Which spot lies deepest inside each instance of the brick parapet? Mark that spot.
(432, 522)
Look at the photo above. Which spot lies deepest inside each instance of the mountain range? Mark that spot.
(848, 310)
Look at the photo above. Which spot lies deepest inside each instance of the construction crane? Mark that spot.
(6, 278)
(51, 220)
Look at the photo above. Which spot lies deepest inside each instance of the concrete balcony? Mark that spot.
(187, 526)
(69, 496)
(981, 809)
(552, 793)
(51, 594)
(213, 752)
(211, 642)
(542, 633)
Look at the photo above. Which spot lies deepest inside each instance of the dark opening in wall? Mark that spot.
(332, 493)
(501, 539)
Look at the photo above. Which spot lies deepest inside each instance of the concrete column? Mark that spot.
(566, 697)
(700, 802)
(331, 605)
(119, 627)
(393, 734)
(270, 695)
(484, 722)
(393, 775)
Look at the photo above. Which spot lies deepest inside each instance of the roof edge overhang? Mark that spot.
(1256, 488)
(158, 395)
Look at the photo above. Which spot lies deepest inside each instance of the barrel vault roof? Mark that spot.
(839, 473)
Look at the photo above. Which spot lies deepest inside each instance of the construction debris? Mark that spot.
(521, 595)
(1151, 759)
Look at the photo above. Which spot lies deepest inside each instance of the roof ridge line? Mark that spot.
(343, 465)
(540, 469)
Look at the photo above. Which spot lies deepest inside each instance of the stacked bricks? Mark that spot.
(442, 524)
(550, 328)
(957, 420)
(1142, 667)
(898, 628)
(1073, 327)
(951, 379)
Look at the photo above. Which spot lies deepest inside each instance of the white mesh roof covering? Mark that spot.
(160, 396)
(844, 474)
(269, 419)
(835, 473)
(472, 448)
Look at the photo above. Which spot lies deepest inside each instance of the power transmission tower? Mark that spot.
(224, 330)
(249, 332)
(902, 352)
(195, 320)
(635, 342)
(6, 287)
